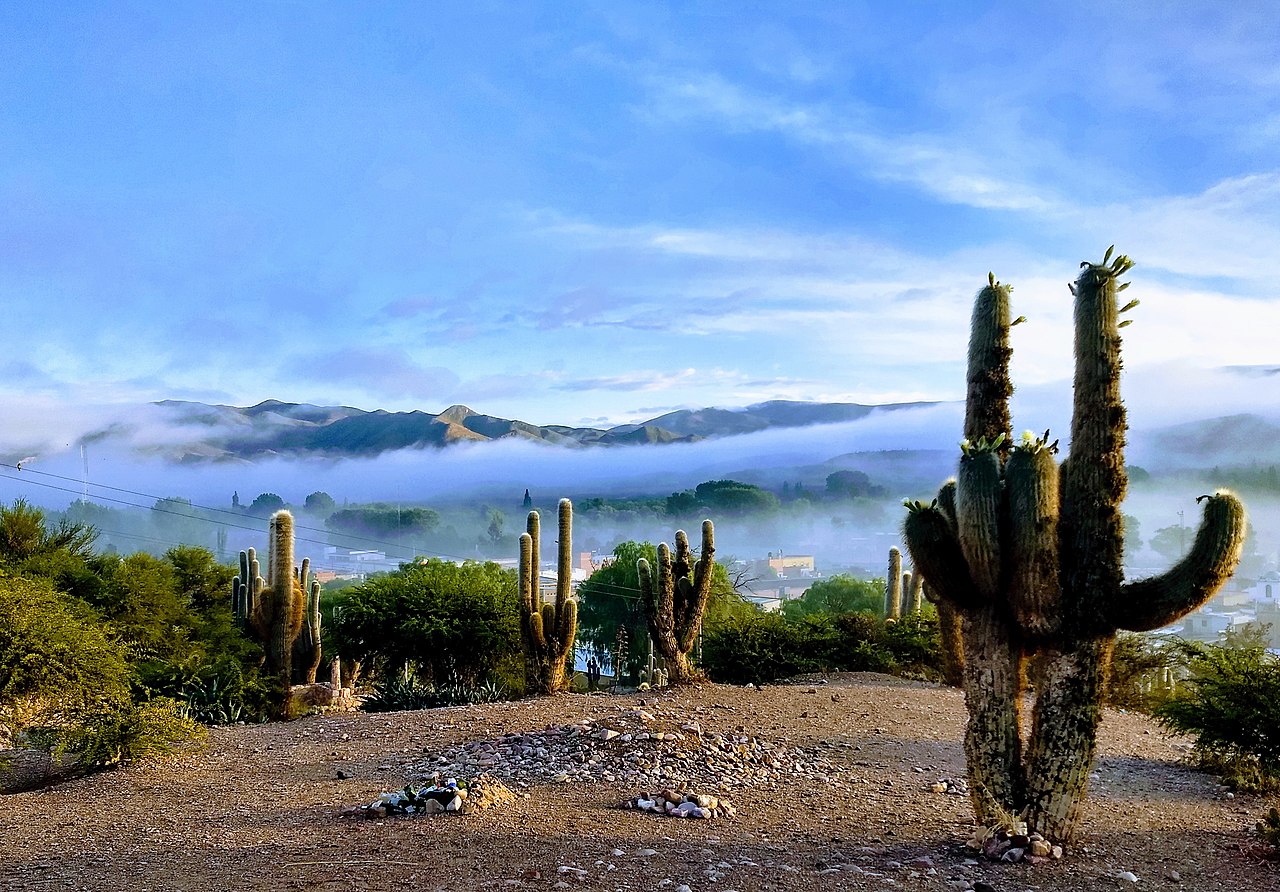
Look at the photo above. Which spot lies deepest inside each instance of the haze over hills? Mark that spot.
(275, 428)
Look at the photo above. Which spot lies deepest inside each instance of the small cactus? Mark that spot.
(674, 606)
(893, 586)
(548, 630)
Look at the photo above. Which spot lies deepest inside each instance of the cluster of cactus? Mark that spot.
(905, 593)
(547, 630)
(281, 612)
(673, 607)
(903, 589)
(1029, 556)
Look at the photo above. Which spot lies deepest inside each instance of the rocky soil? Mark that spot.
(841, 783)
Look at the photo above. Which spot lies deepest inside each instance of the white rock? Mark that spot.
(1127, 876)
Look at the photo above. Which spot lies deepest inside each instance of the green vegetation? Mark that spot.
(721, 497)
(440, 622)
(105, 659)
(766, 647)
(1230, 704)
(384, 521)
(838, 594)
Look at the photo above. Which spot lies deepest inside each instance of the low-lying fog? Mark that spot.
(908, 452)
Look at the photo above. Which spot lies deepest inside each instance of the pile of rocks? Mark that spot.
(951, 786)
(447, 797)
(637, 748)
(1014, 846)
(681, 804)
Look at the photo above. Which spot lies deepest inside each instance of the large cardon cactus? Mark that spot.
(1029, 555)
(547, 630)
(274, 610)
(673, 607)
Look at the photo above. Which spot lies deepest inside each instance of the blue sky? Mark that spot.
(597, 212)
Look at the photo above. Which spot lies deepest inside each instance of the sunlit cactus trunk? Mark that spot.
(675, 602)
(547, 630)
(1029, 558)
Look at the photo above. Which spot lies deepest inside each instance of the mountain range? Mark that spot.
(275, 428)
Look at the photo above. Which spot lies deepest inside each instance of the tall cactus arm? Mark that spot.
(528, 580)
(935, 552)
(1093, 477)
(946, 501)
(564, 564)
(1031, 481)
(567, 621)
(979, 502)
(698, 592)
(987, 406)
(1148, 604)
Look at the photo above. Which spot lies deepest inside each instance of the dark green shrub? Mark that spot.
(754, 649)
(1230, 704)
(915, 644)
(440, 620)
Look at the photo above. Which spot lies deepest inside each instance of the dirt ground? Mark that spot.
(262, 807)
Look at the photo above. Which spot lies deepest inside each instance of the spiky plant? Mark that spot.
(272, 610)
(547, 630)
(1029, 555)
(674, 606)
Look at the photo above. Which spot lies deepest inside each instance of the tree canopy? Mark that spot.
(838, 594)
(439, 619)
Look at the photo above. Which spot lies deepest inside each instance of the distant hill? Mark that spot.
(274, 427)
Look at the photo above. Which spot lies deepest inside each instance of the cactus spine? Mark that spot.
(272, 610)
(1029, 556)
(547, 630)
(673, 608)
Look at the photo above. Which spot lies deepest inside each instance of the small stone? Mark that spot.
(454, 804)
(1127, 876)
(1173, 876)
(1040, 848)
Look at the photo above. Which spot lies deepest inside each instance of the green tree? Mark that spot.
(435, 618)
(496, 522)
(382, 520)
(851, 485)
(320, 503)
(722, 497)
(839, 594)
(25, 534)
(265, 504)
(1171, 542)
(57, 662)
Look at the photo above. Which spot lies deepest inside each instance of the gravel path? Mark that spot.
(831, 780)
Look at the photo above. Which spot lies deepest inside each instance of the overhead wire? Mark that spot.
(618, 589)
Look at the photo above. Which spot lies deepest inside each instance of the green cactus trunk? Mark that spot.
(547, 630)
(1028, 556)
(675, 604)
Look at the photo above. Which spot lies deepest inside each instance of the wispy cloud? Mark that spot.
(935, 163)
